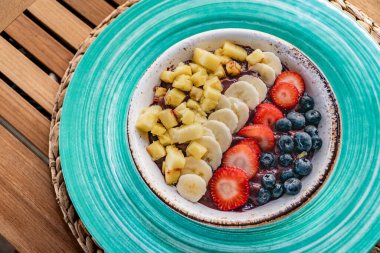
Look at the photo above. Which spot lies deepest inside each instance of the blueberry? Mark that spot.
(302, 142)
(303, 167)
(286, 174)
(313, 117)
(283, 125)
(267, 160)
(285, 144)
(277, 191)
(268, 181)
(306, 103)
(292, 186)
(285, 160)
(263, 196)
(311, 130)
(297, 119)
(316, 142)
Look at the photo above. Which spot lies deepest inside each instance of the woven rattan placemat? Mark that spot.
(70, 216)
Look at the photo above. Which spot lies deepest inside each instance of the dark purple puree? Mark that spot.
(255, 183)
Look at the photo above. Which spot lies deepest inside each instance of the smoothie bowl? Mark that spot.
(233, 127)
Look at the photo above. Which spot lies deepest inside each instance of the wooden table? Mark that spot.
(38, 39)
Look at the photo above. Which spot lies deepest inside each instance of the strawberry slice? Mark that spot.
(229, 188)
(252, 143)
(292, 78)
(267, 114)
(242, 156)
(261, 133)
(285, 95)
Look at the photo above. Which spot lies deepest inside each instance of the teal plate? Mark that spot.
(124, 215)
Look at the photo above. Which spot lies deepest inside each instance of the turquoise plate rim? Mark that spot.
(111, 198)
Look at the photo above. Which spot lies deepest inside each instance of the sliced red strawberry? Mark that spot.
(229, 188)
(267, 114)
(261, 133)
(285, 95)
(252, 143)
(292, 78)
(242, 156)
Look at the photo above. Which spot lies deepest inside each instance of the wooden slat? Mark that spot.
(119, 2)
(26, 75)
(370, 7)
(29, 215)
(93, 10)
(40, 44)
(60, 21)
(24, 117)
(9, 10)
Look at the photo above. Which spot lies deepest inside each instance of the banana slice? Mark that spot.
(192, 187)
(213, 155)
(266, 73)
(223, 103)
(272, 61)
(245, 92)
(258, 84)
(208, 132)
(221, 132)
(241, 110)
(226, 116)
(198, 167)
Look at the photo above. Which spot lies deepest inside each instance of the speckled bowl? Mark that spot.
(316, 85)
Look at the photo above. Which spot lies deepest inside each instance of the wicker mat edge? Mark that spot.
(70, 216)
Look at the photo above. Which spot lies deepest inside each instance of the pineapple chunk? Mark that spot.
(186, 133)
(212, 93)
(206, 59)
(255, 57)
(196, 150)
(148, 118)
(199, 78)
(233, 68)
(182, 69)
(174, 97)
(174, 163)
(168, 118)
(224, 59)
(196, 93)
(234, 51)
(192, 104)
(220, 72)
(183, 82)
(165, 139)
(219, 52)
(196, 68)
(178, 111)
(158, 129)
(160, 91)
(156, 150)
(171, 176)
(199, 118)
(188, 117)
(167, 76)
(215, 83)
(207, 105)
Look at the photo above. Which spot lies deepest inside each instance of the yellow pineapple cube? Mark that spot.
(199, 118)
(207, 105)
(219, 52)
(196, 93)
(196, 68)
(183, 69)
(220, 72)
(179, 110)
(174, 163)
(188, 117)
(183, 82)
(215, 83)
(199, 78)
(233, 68)
(174, 97)
(165, 139)
(148, 118)
(186, 133)
(158, 129)
(212, 93)
(192, 104)
(168, 118)
(172, 176)
(160, 91)
(255, 57)
(196, 150)
(167, 76)
(224, 59)
(206, 59)
(156, 150)
(234, 51)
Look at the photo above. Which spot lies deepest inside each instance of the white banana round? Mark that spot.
(198, 167)
(221, 132)
(226, 116)
(192, 187)
(245, 92)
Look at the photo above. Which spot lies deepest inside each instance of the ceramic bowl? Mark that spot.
(316, 85)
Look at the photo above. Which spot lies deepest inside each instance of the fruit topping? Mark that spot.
(261, 133)
(263, 196)
(306, 103)
(311, 130)
(293, 78)
(192, 187)
(302, 142)
(268, 181)
(277, 191)
(285, 160)
(297, 119)
(303, 167)
(316, 142)
(283, 125)
(292, 186)
(285, 144)
(286, 174)
(285, 95)
(313, 117)
(267, 114)
(267, 160)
